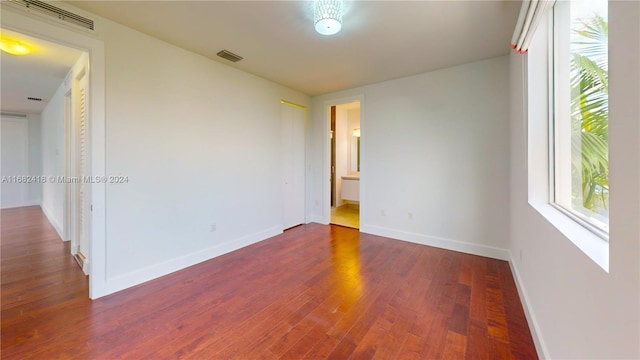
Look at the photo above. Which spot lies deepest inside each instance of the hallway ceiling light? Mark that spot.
(328, 16)
(14, 47)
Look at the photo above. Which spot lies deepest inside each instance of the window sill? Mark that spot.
(591, 244)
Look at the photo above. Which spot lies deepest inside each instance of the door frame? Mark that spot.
(326, 168)
(68, 232)
(73, 209)
(332, 150)
(28, 24)
(304, 169)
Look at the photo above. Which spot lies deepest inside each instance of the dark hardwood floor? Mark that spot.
(313, 292)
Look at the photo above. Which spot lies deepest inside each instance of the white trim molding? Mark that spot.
(449, 244)
(317, 219)
(53, 221)
(536, 333)
(122, 282)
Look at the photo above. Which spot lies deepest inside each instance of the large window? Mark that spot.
(580, 94)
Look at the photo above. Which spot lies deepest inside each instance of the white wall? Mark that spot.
(35, 158)
(53, 148)
(579, 310)
(200, 143)
(28, 193)
(434, 157)
(52, 121)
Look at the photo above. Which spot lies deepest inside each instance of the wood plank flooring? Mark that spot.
(314, 292)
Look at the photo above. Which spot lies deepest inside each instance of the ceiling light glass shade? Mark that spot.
(328, 16)
(13, 47)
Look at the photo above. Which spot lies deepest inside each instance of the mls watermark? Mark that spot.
(27, 179)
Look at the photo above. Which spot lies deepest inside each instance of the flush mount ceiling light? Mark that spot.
(13, 46)
(328, 16)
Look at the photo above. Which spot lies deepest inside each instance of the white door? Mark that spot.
(82, 162)
(293, 118)
(14, 159)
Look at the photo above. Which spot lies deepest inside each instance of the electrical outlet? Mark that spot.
(213, 227)
(410, 216)
(521, 255)
(383, 213)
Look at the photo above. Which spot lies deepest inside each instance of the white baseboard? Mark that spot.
(465, 247)
(122, 282)
(475, 249)
(54, 222)
(26, 203)
(541, 347)
(316, 219)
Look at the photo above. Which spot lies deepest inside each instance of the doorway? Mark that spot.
(345, 163)
(48, 87)
(16, 19)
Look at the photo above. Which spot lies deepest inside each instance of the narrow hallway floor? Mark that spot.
(346, 215)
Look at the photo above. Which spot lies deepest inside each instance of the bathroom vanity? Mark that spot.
(351, 187)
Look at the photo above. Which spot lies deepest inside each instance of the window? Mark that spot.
(580, 96)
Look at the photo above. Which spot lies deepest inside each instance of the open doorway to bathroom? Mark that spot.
(345, 164)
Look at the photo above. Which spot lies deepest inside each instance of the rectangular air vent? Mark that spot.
(48, 9)
(225, 54)
(13, 115)
(34, 98)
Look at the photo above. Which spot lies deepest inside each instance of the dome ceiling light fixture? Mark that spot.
(327, 15)
(13, 46)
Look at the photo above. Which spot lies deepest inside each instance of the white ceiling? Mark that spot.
(38, 74)
(380, 40)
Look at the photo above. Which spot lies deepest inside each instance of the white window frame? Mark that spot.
(560, 136)
(538, 114)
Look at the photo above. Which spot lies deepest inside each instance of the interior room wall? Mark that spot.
(32, 162)
(52, 124)
(435, 157)
(578, 309)
(53, 149)
(35, 158)
(15, 151)
(200, 144)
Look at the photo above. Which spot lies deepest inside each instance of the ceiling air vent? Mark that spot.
(229, 56)
(34, 98)
(13, 115)
(48, 9)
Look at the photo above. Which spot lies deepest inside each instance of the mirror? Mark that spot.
(355, 151)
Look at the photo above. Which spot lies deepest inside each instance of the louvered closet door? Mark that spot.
(83, 169)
